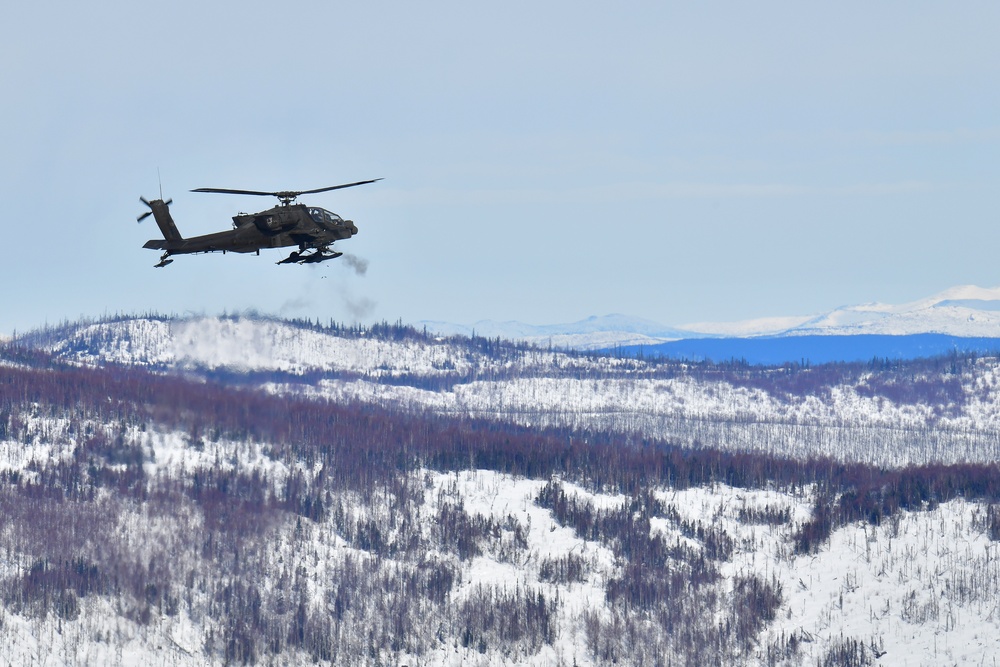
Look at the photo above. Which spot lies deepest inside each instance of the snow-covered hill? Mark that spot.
(251, 344)
(920, 414)
(140, 522)
(591, 333)
(967, 311)
(964, 311)
(919, 589)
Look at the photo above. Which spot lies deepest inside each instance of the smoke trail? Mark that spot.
(358, 307)
(294, 305)
(358, 264)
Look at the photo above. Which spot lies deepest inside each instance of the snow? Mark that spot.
(538, 387)
(761, 326)
(965, 310)
(251, 344)
(923, 587)
(845, 424)
(518, 330)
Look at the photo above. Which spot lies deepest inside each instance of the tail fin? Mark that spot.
(161, 213)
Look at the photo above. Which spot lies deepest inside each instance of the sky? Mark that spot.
(542, 162)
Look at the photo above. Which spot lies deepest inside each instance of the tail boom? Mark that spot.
(161, 213)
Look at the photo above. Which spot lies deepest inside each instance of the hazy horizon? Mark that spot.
(540, 163)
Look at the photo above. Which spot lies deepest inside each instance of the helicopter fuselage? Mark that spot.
(282, 226)
(310, 228)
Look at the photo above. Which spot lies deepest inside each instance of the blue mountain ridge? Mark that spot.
(816, 349)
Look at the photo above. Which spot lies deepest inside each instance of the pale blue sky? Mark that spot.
(542, 161)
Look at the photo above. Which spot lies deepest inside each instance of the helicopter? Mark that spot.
(311, 228)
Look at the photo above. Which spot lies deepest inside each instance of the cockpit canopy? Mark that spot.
(323, 216)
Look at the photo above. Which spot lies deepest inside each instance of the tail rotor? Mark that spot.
(143, 216)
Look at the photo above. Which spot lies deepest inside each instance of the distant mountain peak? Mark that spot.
(968, 292)
(963, 310)
(594, 332)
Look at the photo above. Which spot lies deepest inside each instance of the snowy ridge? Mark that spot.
(478, 567)
(261, 344)
(965, 311)
(763, 326)
(858, 420)
(961, 311)
(846, 425)
(592, 333)
(519, 330)
(247, 345)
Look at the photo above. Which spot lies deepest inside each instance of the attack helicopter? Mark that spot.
(311, 228)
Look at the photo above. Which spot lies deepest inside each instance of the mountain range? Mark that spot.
(960, 319)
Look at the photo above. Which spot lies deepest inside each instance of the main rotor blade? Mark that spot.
(283, 194)
(225, 191)
(337, 187)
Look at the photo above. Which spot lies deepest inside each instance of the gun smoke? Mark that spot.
(358, 264)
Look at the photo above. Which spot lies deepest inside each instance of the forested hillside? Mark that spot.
(882, 412)
(193, 518)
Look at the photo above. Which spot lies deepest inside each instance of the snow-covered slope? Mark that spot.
(919, 416)
(264, 344)
(966, 311)
(244, 344)
(920, 589)
(140, 564)
(591, 333)
(960, 311)
(847, 424)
